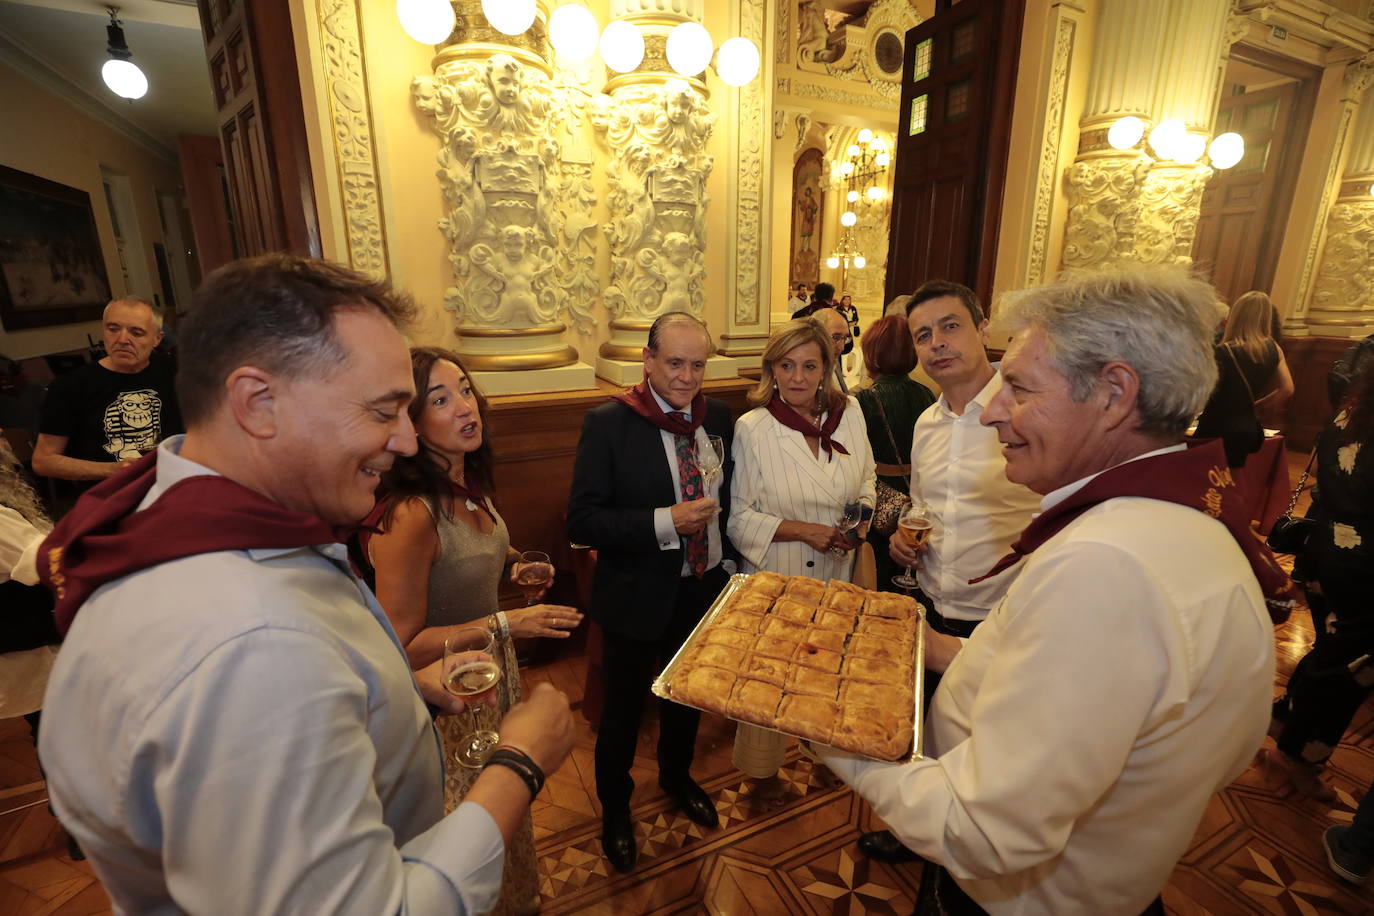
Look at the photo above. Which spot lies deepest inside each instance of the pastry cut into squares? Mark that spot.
(721, 636)
(773, 647)
(795, 611)
(813, 682)
(718, 657)
(888, 696)
(767, 583)
(810, 717)
(882, 628)
(749, 602)
(812, 656)
(705, 688)
(764, 668)
(838, 621)
(783, 629)
(876, 731)
(895, 607)
(877, 671)
(822, 638)
(809, 591)
(755, 701)
(840, 585)
(843, 600)
(887, 650)
(739, 620)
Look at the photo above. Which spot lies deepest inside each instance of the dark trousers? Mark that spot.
(1325, 691)
(943, 625)
(941, 896)
(628, 667)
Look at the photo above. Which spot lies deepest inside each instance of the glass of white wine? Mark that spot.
(533, 573)
(472, 667)
(710, 461)
(913, 528)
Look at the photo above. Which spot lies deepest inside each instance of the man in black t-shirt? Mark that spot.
(103, 416)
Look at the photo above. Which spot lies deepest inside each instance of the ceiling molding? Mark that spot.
(182, 14)
(17, 54)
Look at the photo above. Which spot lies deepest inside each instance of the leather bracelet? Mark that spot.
(519, 763)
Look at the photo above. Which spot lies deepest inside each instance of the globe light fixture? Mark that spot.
(853, 150)
(874, 193)
(846, 168)
(689, 48)
(832, 262)
(1371, 190)
(882, 160)
(847, 218)
(509, 17)
(860, 261)
(1226, 150)
(1126, 132)
(622, 46)
(1189, 148)
(120, 73)
(573, 32)
(1165, 137)
(852, 195)
(866, 136)
(737, 61)
(427, 21)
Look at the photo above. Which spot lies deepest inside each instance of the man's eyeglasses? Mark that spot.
(839, 338)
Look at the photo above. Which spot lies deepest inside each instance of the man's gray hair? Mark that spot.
(135, 300)
(1157, 320)
(669, 319)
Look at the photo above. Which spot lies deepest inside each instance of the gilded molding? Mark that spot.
(1346, 278)
(1103, 209)
(1049, 150)
(782, 31)
(1343, 122)
(750, 150)
(1358, 76)
(839, 96)
(850, 52)
(1170, 203)
(355, 153)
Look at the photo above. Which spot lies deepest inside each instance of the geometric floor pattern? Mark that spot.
(1257, 850)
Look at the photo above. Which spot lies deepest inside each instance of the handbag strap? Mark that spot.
(1248, 390)
(1302, 482)
(892, 440)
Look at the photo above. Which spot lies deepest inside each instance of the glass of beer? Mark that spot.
(472, 668)
(913, 528)
(533, 573)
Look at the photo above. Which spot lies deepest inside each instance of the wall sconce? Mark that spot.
(622, 46)
(120, 73)
(573, 32)
(1171, 141)
(509, 17)
(427, 21)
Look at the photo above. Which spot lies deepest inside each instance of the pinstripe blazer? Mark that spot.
(777, 479)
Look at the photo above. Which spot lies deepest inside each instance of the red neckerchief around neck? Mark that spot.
(787, 416)
(105, 537)
(641, 400)
(1196, 477)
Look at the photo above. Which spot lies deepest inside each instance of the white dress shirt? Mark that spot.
(668, 538)
(239, 732)
(23, 674)
(1076, 739)
(778, 479)
(958, 469)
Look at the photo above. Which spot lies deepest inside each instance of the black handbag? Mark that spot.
(1290, 533)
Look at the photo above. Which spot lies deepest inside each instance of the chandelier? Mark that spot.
(864, 172)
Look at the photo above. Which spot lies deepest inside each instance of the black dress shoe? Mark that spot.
(883, 846)
(618, 842)
(693, 802)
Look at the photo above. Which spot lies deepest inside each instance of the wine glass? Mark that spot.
(710, 461)
(913, 527)
(850, 517)
(472, 667)
(533, 573)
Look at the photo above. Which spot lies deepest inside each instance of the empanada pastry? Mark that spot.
(875, 731)
(764, 668)
(767, 583)
(735, 639)
(755, 701)
(810, 717)
(812, 682)
(805, 589)
(784, 629)
(883, 628)
(773, 647)
(813, 656)
(888, 696)
(896, 607)
(750, 602)
(705, 688)
(840, 585)
(838, 621)
(876, 647)
(825, 639)
(876, 670)
(718, 657)
(843, 600)
(739, 620)
(795, 611)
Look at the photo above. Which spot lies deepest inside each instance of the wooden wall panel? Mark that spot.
(201, 163)
(1309, 359)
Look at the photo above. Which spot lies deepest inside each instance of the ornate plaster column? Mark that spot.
(654, 124)
(516, 213)
(1343, 292)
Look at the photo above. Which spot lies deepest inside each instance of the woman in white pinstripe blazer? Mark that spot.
(800, 455)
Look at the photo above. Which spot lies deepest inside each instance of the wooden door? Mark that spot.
(261, 126)
(1238, 204)
(959, 77)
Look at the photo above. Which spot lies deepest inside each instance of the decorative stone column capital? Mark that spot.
(1358, 76)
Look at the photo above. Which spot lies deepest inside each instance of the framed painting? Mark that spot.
(51, 268)
(808, 207)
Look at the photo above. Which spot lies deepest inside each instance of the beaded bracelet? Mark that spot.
(520, 763)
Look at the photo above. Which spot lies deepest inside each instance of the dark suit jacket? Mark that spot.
(621, 476)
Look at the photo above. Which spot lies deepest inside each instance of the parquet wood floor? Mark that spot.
(1257, 850)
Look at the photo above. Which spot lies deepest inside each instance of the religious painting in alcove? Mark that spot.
(51, 268)
(808, 205)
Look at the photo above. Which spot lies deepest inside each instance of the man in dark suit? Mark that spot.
(638, 498)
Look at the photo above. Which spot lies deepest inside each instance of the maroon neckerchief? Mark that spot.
(104, 538)
(641, 400)
(1196, 477)
(787, 416)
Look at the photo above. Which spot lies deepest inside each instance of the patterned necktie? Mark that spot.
(689, 473)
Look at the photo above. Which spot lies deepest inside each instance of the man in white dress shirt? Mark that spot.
(1125, 677)
(957, 469)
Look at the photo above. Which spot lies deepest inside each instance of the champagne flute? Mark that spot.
(471, 668)
(913, 527)
(850, 517)
(710, 461)
(534, 572)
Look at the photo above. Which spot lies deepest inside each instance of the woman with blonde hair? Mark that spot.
(1251, 376)
(800, 456)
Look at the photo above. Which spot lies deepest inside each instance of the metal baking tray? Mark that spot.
(663, 684)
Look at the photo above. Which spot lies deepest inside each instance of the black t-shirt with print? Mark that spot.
(108, 415)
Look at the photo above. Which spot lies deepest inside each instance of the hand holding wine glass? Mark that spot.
(913, 528)
(850, 517)
(472, 669)
(532, 573)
